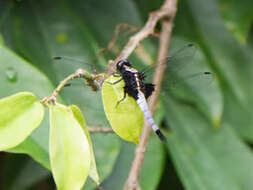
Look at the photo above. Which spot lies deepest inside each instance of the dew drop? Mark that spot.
(11, 74)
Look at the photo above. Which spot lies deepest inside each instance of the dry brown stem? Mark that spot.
(167, 11)
(100, 130)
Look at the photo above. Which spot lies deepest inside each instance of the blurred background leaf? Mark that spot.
(209, 131)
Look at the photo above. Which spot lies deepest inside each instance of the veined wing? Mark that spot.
(185, 68)
(65, 65)
(176, 61)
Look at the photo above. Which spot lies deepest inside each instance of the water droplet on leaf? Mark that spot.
(11, 74)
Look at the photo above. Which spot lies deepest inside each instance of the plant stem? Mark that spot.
(91, 80)
(167, 25)
(100, 130)
(167, 10)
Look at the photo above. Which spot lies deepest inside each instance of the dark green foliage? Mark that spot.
(207, 130)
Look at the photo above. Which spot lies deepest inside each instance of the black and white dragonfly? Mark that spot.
(137, 88)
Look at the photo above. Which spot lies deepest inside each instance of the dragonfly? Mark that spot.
(137, 87)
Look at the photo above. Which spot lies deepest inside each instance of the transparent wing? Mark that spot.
(184, 68)
(194, 82)
(190, 78)
(65, 66)
(176, 61)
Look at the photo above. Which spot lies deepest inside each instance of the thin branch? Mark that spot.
(167, 10)
(112, 47)
(167, 25)
(91, 80)
(100, 129)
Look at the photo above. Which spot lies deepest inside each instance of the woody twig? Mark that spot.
(167, 13)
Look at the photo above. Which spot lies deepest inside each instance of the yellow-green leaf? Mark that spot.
(126, 119)
(79, 117)
(69, 149)
(20, 114)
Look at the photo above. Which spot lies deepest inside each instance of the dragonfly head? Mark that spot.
(122, 64)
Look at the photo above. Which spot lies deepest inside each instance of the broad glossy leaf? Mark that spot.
(233, 64)
(126, 118)
(205, 157)
(237, 16)
(50, 33)
(20, 114)
(13, 67)
(16, 73)
(70, 154)
(79, 117)
(191, 85)
(227, 57)
(123, 12)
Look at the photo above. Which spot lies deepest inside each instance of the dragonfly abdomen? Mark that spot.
(142, 103)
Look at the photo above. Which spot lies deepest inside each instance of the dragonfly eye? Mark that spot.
(123, 63)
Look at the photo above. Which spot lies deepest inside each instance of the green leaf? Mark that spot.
(205, 157)
(230, 60)
(68, 29)
(1, 40)
(126, 118)
(79, 117)
(20, 114)
(238, 17)
(70, 154)
(36, 145)
(227, 57)
(203, 92)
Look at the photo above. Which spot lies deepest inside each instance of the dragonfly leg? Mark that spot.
(116, 75)
(117, 81)
(121, 99)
